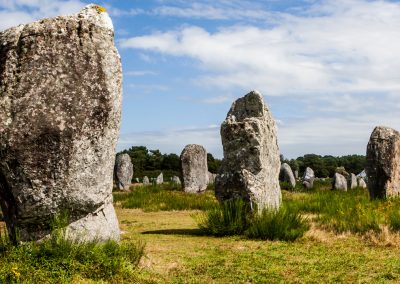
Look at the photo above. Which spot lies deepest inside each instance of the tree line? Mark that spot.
(151, 163)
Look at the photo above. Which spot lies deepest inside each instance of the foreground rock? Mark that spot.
(383, 163)
(123, 171)
(339, 182)
(287, 175)
(250, 168)
(352, 181)
(60, 107)
(194, 168)
(308, 178)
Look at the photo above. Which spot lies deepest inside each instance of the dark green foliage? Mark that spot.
(59, 259)
(285, 224)
(213, 164)
(324, 166)
(226, 219)
(394, 219)
(235, 218)
(165, 197)
(152, 162)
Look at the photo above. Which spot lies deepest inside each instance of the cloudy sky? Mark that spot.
(329, 70)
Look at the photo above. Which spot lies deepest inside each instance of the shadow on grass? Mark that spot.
(186, 232)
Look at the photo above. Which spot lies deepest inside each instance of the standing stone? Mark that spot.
(362, 183)
(146, 181)
(339, 182)
(296, 174)
(383, 163)
(194, 168)
(287, 175)
(60, 105)
(176, 180)
(250, 168)
(123, 171)
(308, 178)
(211, 178)
(342, 171)
(352, 181)
(160, 179)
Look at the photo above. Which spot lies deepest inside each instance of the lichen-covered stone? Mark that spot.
(194, 168)
(250, 168)
(383, 163)
(362, 183)
(60, 104)
(160, 179)
(352, 181)
(339, 182)
(308, 178)
(176, 180)
(146, 180)
(123, 171)
(211, 178)
(287, 175)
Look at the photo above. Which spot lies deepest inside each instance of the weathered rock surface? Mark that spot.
(339, 182)
(194, 168)
(308, 178)
(60, 104)
(383, 163)
(287, 175)
(123, 171)
(342, 171)
(160, 179)
(352, 181)
(250, 168)
(176, 180)
(211, 178)
(296, 174)
(146, 180)
(362, 183)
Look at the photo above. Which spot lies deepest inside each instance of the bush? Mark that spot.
(164, 197)
(226, 219)
(285, 224)
(235, 218)
(59, 260)
(394, 219)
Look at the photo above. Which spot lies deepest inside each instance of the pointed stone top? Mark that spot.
(98, 15)
(251, 105)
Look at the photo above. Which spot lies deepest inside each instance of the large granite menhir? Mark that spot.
(194, 168)
(383, 163)
(251, 165)
(60, 104)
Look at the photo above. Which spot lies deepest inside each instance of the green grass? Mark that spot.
(61, 260)
(234, 217)
(285, 224)
(164, 197)
(227, 219)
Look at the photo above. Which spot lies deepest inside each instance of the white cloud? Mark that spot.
(15, 12)
(139, 73)
(341, 46)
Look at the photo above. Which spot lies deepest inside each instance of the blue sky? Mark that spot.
(329, 70)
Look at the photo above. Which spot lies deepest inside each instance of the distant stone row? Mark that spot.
(195, 172)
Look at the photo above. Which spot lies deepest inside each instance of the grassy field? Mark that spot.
(336, 248)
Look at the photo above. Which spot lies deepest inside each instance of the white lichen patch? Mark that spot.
(98, 15)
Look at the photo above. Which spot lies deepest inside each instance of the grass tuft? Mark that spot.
(234, 217)
(285, 224)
